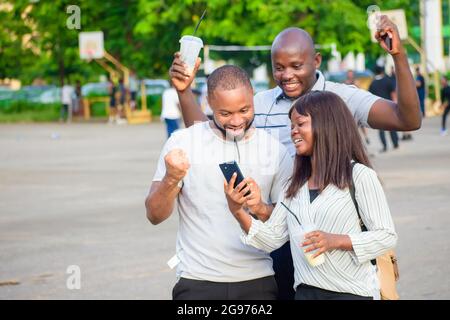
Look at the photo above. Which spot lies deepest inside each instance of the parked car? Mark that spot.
(155, 86)
(94, 89)
(199, 83)
(260, 86)
(152, 87)
(362, 78)
(52, 95)
(31, 93)
(6, 94)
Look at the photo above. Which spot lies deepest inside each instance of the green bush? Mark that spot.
(20, 106)
(95, 95)
(98, 109)
(25, 111)
(154, 104)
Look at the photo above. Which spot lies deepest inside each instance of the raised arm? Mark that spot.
(182, 80)
(161, 198)
(404, 115)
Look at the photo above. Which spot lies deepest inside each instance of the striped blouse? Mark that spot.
(333, 211)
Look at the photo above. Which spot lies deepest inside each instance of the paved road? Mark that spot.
(74, 195)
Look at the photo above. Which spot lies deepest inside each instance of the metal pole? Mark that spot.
(143, 97)
(126, 79)
(206, 59)
(105, 66)
(423, 53)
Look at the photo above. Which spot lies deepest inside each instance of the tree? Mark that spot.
(257, 22)
(144, 34)
(14, 56)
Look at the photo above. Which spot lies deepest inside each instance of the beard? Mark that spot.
(229, 134)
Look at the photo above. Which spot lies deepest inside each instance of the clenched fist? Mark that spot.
(177, 164)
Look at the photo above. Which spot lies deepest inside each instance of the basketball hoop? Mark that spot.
(91, 45)
(89, 55)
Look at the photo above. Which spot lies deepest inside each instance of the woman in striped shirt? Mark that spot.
(327, 141)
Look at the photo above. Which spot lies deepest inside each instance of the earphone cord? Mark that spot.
(237, 148)
(267, 115)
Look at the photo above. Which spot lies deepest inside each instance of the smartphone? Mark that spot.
(388, 41)
(228, 168)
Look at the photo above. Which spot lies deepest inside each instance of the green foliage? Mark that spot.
(98, 109)
(144, 34)
(24, 111)
(29, 116)
(154, 103)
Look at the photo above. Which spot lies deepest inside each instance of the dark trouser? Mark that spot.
(422, 103)
(394, 138)
(444, 117)
(172, 125)
(257, 289)
(64, 111)
(284, 272)
(133, 95)
(305, 292)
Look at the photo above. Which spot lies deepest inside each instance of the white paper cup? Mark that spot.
(190, 47)
(309, 255)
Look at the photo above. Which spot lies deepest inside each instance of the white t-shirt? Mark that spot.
(170, 102)
(133, 83)
(208, 240)
(66, 94)
(271, 108)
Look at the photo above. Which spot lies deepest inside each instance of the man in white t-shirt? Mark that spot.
(213, 262)
(66, 100)
(171, 110)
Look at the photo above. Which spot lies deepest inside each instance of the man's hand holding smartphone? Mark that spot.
(388, 36)
(245, 195)
(254, 200)
(236, 197)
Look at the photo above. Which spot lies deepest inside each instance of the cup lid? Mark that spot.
(192, 38)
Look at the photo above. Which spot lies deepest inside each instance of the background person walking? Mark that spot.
(171, 110)
(445, 104)
(383, 87)
(420, 85)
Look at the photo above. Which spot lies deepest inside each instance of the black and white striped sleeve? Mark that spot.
(270, 235)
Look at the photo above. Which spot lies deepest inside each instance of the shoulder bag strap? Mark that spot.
(353, 195)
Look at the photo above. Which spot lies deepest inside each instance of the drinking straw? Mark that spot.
(198, 23)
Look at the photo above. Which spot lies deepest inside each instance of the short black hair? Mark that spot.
(379, 69)
(228, 77)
